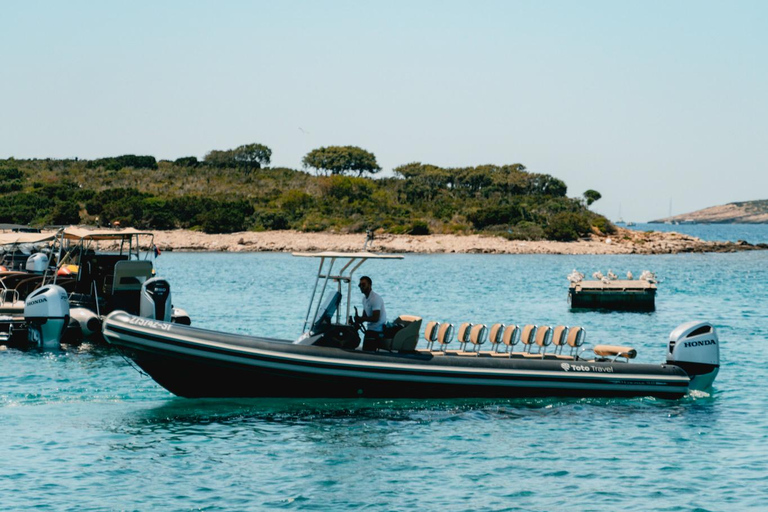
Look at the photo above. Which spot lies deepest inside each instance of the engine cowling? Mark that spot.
(695, 347)
(156, 300)
(46, 312)
(37, 263)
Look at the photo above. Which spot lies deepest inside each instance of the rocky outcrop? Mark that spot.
(746, 212)
(623, 242)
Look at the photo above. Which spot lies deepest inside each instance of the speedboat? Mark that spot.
(326, 361)
(62, 292)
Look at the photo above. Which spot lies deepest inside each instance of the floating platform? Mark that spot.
(622, 295)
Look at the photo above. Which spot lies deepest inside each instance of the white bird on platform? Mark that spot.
(630, 276)
(575, 276)
(598, 275)
(611, 275)
(649, 276)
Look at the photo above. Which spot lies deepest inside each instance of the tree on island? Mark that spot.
(591, 196)
(248, 156)
(341, 159)
(253, 156)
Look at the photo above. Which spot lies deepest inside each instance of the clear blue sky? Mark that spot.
(645, 102)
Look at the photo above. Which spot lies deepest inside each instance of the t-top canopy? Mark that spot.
(25, 238)
(75, 233)
(332, 254)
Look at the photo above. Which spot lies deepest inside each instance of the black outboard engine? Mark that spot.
(156, 300)
(695, 347)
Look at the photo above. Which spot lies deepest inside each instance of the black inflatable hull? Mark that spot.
(193, 362)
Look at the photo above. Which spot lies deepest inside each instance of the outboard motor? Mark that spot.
(37, 263)
(46, 312)
(695, 347)
(156, 300)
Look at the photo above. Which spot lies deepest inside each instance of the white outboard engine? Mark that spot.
(37, 263)
(156, 300)
(695, 347)
(46, 312)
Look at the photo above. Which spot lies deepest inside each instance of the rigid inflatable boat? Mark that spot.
(326, 360)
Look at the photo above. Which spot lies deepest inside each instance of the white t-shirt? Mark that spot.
(371, 303)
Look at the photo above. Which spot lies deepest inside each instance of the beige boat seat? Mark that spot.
(462, 336)
(509, 337)
(430, 333)
(495, 333)
(477, 336)
(527, 336)
(559, 336)
(444, 337)
(574, 339)
(615, 351)
(407, 337)
(541, 341)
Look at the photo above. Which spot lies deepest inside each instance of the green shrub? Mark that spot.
(221, 221)
(295, 202)
(603, 224)
(10, 173)
(346, 187)
(524, 230)
(419, 227)
(271, 220)
(65, 213)
(567, 226)
(10, 186)
(187, 161)
(494, 216)
(116, 163)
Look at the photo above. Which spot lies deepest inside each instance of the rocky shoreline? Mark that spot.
(624, 241)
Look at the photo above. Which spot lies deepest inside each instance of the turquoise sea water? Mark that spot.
(83, 430)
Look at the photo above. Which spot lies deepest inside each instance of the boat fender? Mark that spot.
(695, 347)
(88, 320)
(180, 316)
(46, 312)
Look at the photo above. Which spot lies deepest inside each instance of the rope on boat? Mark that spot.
(131, 363)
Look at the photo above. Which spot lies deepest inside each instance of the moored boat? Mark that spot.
(326, 362)
(96, 271)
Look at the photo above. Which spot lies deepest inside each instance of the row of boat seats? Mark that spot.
(535, 340)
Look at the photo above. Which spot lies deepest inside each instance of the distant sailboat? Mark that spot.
(620, 221)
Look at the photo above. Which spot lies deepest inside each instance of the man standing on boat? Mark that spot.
(373, 313)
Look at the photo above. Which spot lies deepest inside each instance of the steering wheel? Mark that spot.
(358, 323)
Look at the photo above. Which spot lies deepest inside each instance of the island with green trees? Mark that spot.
(338, 190)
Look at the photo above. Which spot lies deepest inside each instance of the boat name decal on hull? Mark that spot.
(146, 322)
(584, 368)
